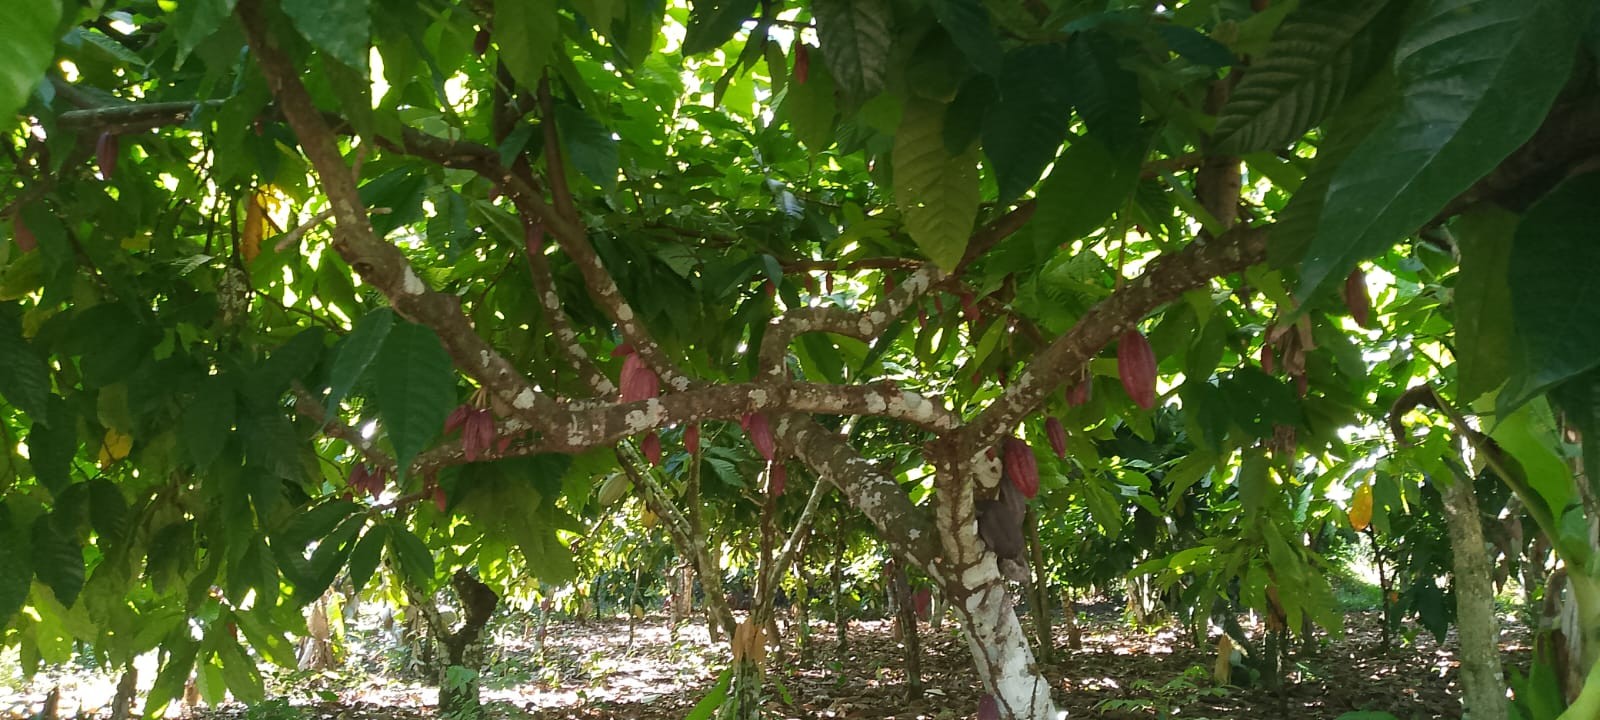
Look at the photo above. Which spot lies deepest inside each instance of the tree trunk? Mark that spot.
(127, 687)
(316, 650)
(802, 606)
(1070, 609)
(1039, 587)
(461, 663)
(1000, 649)
(1482, 680)
(906, 618)
(841, 622)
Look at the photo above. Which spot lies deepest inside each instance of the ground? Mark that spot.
(590, 670)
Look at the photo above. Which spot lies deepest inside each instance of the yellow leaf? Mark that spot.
(1361, 507)
(116, 446)
(648, 519)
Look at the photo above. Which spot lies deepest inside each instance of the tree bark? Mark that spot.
(463, 649)
(841, 622)
(906, 617)
(1039, 587)
(1482, 680)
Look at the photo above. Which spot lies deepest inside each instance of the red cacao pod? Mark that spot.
(105, 155)
(439, 500)
(1356, 299)
(922, 600)
(988, 708)
(691, 439)
(802, 63)
(651, 447)
(1020, 466)
(761, 436)
(777, 478)
(1057, 435)
(1269, 361)
(969, 307)
(1080, 393)
(827, 284)
(1136, 363)
(26, 242)
(622, 350)
(480, 43)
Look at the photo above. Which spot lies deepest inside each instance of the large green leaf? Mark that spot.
(209, 420)
(27, 42)
(195, 20)
(1483, 301)
(1105, 92)
(364, 557)
(340, 28)
(856, 38)
(1321, 53)
(527, 32)
(52, 447)
(713, 22)
(1477, 77)
(355, 353)
(1087, 185)
(1023, 132)
(26, 380)
(810, 108)
(412, 557)
(937, 192)
(16, 564)
(589, 145)
(1556, 311)
(416, 388)
(57, 560)
(968, 23)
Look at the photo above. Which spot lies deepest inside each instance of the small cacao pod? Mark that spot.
(988, 708)
(651, 447)
(1136, 364)
(105, 155)
(1356, 299)
(1079, 394)
(1020, 466)
(691, 439)
(761, 436)
(777, 478)
(827, 284)
(802, 64)
(1361, 508)
(612, 489)
(480, 42)
(1269, 361)
(26, 242)
(1057, 435)
(969, 307)
(439, 500)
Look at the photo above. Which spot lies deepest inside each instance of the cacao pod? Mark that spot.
(1361, 508)
(969, 307)
(651, 447)
(621, 350)
(480, 43)
(827, 284)
(1079, 394)
(1356, 299)
(1057, 435)
(988, 708)
(439, 500)
(922, 600)
(777, 478)
(1136, 364)
(1269, 362)
(105, 155)
(761, 436)
(26, 242)
(802, 65)
(612, 489)
(1020, 466)
(691, 439)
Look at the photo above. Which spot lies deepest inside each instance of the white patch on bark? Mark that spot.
(758, 396)
(679, 383)
(876, 405)
(552, 300)
(483, 358)
(410, 284)
(624, 313)
(635, 421)
(984, 571)
(523, 400)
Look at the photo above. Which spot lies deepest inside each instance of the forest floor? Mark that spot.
(591, 670)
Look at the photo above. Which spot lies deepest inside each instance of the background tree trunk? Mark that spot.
(1482, 680)
(906, 618)
(1039, 587)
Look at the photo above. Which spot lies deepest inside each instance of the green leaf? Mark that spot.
(1477, 78)
(1483, 300)
(195, 20)
(1194, 46)
(1554, 309)
(30, 43)
(57, 560)
(526, 32)
(936, 192)
(16, 565)
(1105, 93)
(1320, 54)
(416, 387)
(26, 380)
(181, 654)
(589, 145)
(364, 558)
(809, 106)
(51, 448)
(1023, 132)
(713, 23)
(969, 26)
(312, 524)
(340, 28)
(240, 673)
(327, 560)
(855, 35)
(209, 420)
(714, 698)
(355, 352)
(413, 558)
(1087, 185)
(1529, 436)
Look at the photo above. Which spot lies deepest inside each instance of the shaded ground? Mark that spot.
(590, 671)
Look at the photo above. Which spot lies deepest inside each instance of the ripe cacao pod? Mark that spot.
(1356, 299)
(777, 478)
(1361, 508)
(1080, 393)
(26, 242)
(105, 155)
(802, 64)
(988, 708)
(622, 350)
(1057, 435)
(761, 436)
(480, 43)
(651, 447)
(1020, 466)
(612, 489)
(1136, 364)
(691, 439)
